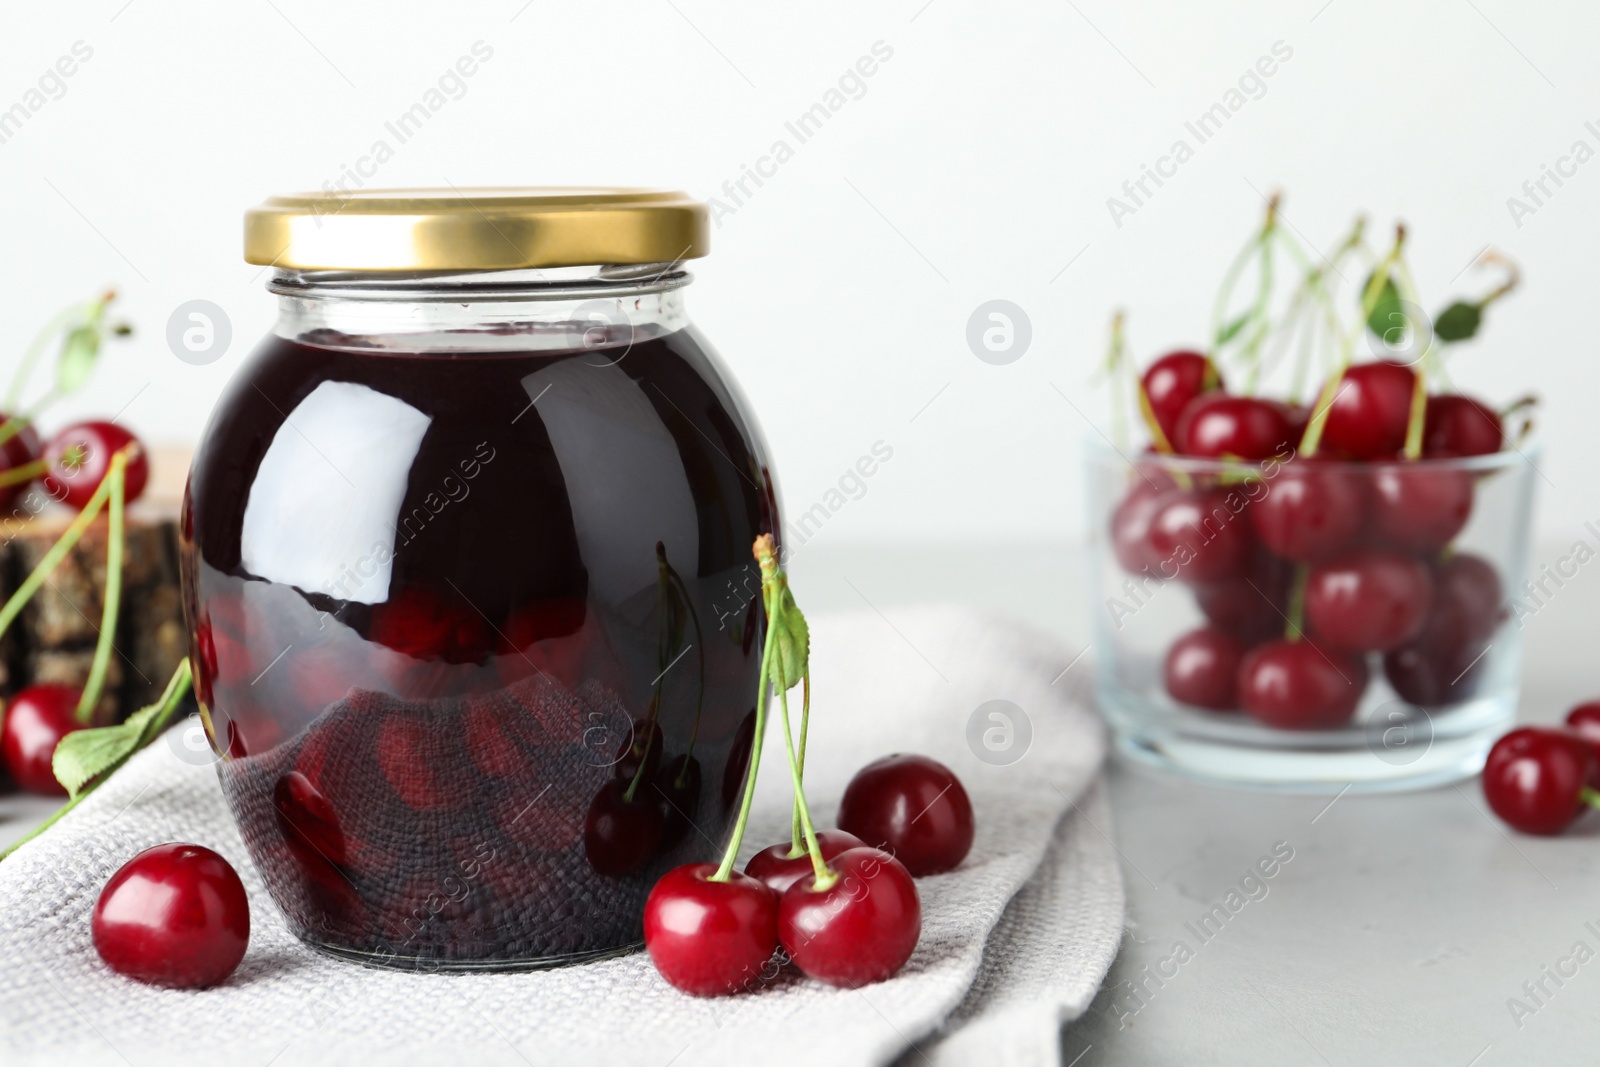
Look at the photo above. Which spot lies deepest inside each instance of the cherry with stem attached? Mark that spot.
(858, 920)
(710, 930)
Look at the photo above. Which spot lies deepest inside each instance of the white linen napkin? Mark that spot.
(912, 682)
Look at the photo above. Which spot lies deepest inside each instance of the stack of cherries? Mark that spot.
(68, 469)
(1313, 548)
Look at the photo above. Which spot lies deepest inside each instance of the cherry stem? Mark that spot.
(52, 559)
(23, 474)
(1294, 627)
(30, 356)
(90, 697)
(700, 691)
(730, 856)
(795, 830)
(825, 877)
(1116, 359)
(171, 697)
(1369, 300)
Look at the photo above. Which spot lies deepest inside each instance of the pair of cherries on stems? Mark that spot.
(92, 467)
(842, 910)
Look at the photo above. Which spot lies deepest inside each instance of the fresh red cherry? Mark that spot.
(1198, 537)
(677, 788)
(912, 807)
(1370, 410)
(620, 836)
(1537, 779)
(1420, 507)
(1368, 600)
(779, 870)
(19, 450)
(1218, 425)
(1255, 605)
(175, 915)
(1584, 720)
(79, 457)
(1174, 380)
(36, 718)
(1298, 417)
(710, 938)
(1130, 525)
(1456, 425)
(1311, 510)
(1299, 685)
(1202, 669)
(1442, 664)
(859, 930)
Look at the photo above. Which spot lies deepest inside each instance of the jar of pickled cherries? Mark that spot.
(465, 551)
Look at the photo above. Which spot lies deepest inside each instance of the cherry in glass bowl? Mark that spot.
(1360, 606)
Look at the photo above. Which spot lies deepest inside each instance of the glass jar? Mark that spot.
(467, 573)
(1409, 655)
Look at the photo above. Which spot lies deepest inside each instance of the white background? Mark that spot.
(977, 165)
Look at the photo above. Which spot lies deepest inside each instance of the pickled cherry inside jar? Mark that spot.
(467, 573)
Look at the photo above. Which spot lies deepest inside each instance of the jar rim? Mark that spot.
(476, 229)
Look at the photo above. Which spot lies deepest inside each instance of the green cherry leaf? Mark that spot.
(79, 353)
(792, 648)
(86, 754)
(1387, 314)
(1457, 322)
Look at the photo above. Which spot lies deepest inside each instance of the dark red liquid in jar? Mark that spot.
(433, 601)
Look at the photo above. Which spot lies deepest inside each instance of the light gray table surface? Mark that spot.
(1399, 931)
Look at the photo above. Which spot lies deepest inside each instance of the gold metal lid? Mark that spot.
(475, 229)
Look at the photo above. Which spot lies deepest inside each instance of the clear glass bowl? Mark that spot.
(1429, 708)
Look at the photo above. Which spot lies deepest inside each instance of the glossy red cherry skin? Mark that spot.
(912, 807)
(1253, 606)
(79, 457)
(779, 870)
(1420, 507)
(36, 718)
(621, 836)
(1369, 600)
(175, 915)
(1443, 663)
(1197, 537)
(1174, 380)
(1584, 720)
(1299, 685)
(1218, 425)
(1310, 511)
(1202, 669)
(20, 449)
(1372, 404)
(1535, 777)
(1456, 425)
(710, 938)
(860, 930)
(1130, 524)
